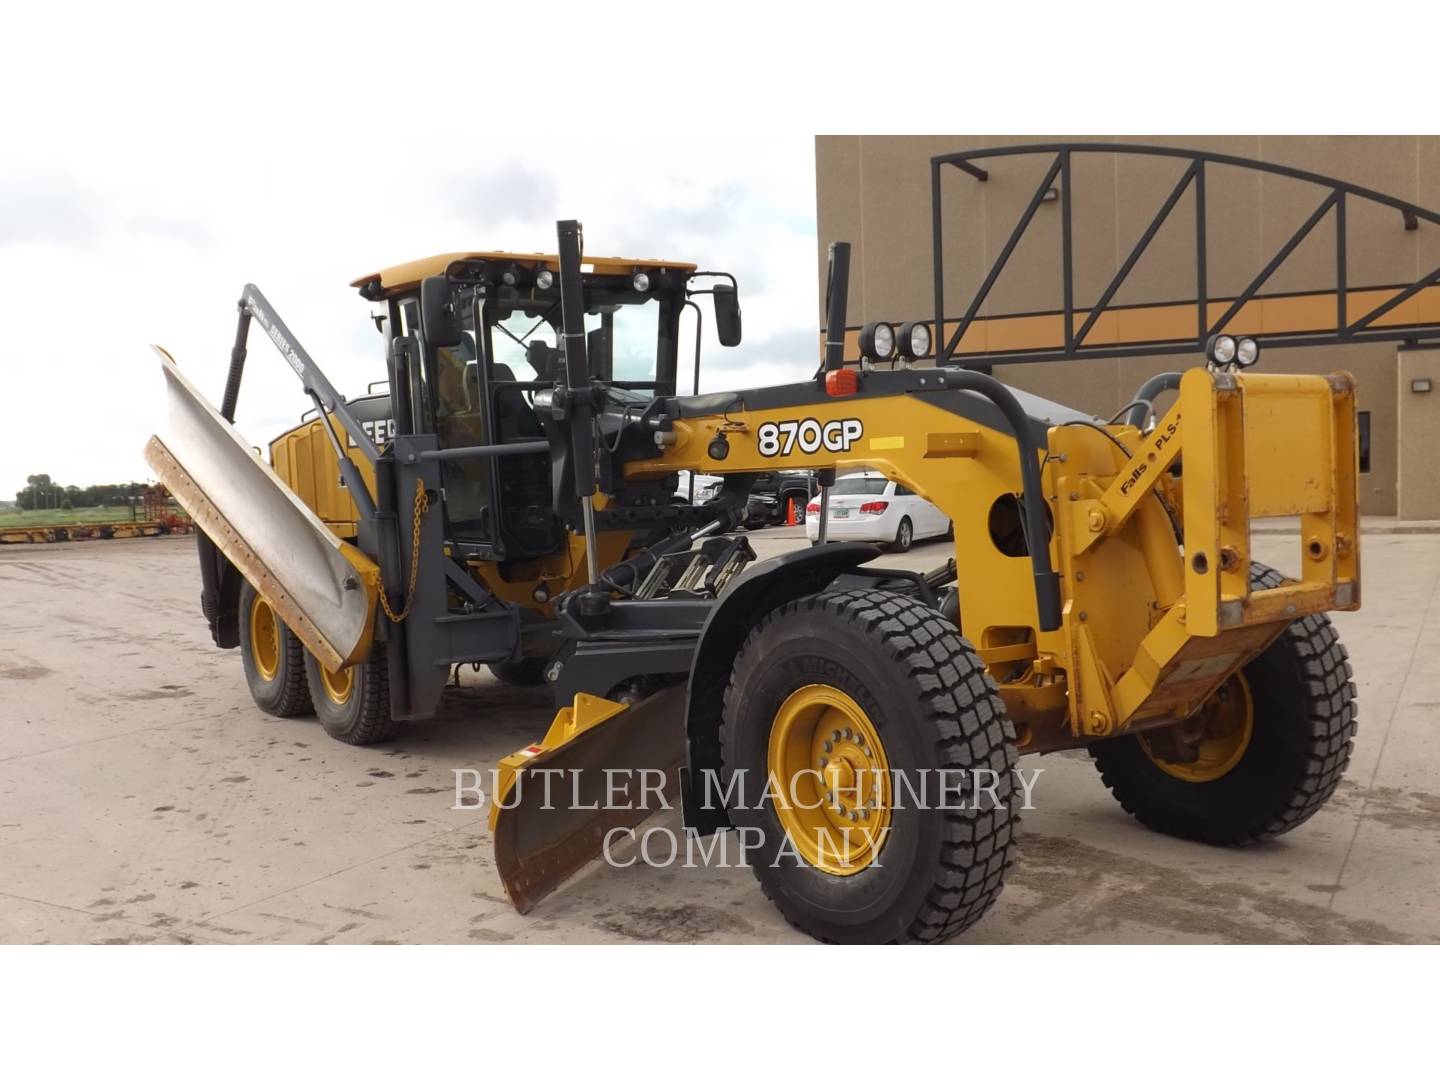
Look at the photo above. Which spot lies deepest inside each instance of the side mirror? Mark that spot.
(438, 321)
(727, 315)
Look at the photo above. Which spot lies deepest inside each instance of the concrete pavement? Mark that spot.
(144, 798)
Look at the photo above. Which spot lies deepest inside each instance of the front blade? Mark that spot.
(323, 588)
(540, 846)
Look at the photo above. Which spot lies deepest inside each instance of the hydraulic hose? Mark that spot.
(1032, 498)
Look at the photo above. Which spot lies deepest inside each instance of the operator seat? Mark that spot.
(529, 523)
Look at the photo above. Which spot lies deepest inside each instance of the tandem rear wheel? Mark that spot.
(273, 658)
(353, 705)
(857, 708)
(285, 680)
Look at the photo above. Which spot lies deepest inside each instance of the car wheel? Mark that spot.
(904, 536)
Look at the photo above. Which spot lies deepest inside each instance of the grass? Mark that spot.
(11, 518)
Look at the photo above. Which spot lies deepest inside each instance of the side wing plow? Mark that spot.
(323, 588)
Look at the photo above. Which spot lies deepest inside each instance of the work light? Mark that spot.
(877, 341)
(544, 279)
(1221, 349)
(641, 281)
(915, 340)
(1247, 351)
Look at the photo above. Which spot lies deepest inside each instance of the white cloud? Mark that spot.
(96, 263)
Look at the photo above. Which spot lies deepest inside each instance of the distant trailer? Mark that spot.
(108, 530)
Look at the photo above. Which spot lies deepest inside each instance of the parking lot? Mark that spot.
(144, 798)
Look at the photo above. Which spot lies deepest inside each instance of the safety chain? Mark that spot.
(422, 507)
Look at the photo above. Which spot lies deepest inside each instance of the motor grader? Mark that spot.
(511, 500)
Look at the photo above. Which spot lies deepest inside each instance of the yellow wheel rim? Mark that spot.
(1223, 727)
(830, 779)
(264, 638)
(338, 684)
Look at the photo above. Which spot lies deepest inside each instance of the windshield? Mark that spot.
(859, 485)
(519, 337)
(629, 335)
(622, 339)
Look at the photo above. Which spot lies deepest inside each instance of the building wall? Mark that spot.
(875, 192)
(1418, 412)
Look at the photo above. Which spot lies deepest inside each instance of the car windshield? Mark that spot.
(859, 485)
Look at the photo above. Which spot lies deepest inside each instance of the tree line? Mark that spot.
(42, 493)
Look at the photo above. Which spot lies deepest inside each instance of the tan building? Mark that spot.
(875, 191)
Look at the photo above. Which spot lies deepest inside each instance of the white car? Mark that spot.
(706, 486)
(867, 506)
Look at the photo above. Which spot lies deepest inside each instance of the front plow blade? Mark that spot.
(591, 745)
(323, 588)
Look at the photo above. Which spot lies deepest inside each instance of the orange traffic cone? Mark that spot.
(790, 516)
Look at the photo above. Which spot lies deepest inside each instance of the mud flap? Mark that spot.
(323, 588)
(601, 766)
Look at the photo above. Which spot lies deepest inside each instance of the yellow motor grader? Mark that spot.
(512, 499)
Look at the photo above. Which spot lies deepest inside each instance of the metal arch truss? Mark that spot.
(1357, 310)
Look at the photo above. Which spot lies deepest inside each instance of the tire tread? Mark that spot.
(970, 730)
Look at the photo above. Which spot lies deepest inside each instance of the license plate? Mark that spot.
(840, 512)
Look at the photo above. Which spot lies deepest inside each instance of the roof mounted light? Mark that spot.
(510, 275)
(1247, 352)
(544, 279)
(877, 341)
(915, 340)
(1220, 350)
(640, 281)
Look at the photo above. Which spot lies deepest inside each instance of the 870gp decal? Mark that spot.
(808, 435)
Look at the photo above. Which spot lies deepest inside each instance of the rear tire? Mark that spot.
(273, 658)
(1303, 724)
(353, 706)
(904, 536)
(910, 679)
(527, 671)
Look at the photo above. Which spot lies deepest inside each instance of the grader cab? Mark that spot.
(513, 500)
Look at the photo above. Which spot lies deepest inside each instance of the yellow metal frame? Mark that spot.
(1149, 629)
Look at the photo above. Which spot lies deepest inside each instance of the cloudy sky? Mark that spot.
(155, 156)
(109, 257)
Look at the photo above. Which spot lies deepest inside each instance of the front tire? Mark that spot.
(1265, 777)
(273, 658)
(874, 684)
(353, 705)
(527, 671)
